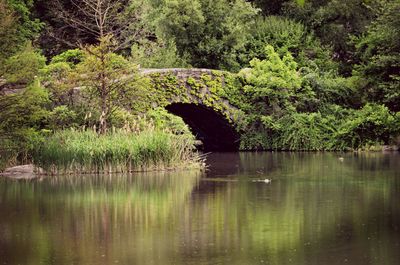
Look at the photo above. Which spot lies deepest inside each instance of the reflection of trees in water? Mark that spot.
(93, 216)
(315, 205)
(319, 163)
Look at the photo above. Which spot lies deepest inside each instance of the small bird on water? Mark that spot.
(263, 180)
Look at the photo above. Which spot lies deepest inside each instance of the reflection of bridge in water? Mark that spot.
(197, 96)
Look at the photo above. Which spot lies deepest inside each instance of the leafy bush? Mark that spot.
(330, 88)
(71, 57)
(61, 117)
(286, 35)
(157, 55)
(379, 50)
(305, 131)
(371, 125)
(273, 83)
(163, 120)
(22, 67)
(22, 120)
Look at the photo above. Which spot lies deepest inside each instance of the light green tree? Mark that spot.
(273, 83)
(109, 80)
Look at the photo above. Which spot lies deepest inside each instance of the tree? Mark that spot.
(286, 35)
(23, 66)
(209, 32)
(8, 29)
(28, 26)
(110, 81)
(157, 54)
(379, 51)
(17, 27)
(335, 22)
(100, 28)
(22, 117)
(87, 21)
(273, 83)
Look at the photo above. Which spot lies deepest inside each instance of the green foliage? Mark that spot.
(208, 32)
(73, 151)
(71, 57)
(330, 88)
(335, 22)
(22, 67)
(8, 30)
(29, 27)
(17, 26)
(304, 131)
(55, 78)
(291, 110)
(379, 50)
(164, 120)
(157, 55)
(273, 83)
(60, 77)
(22, 118)
(109, 81)
(26, 109)
(293, 131)
(286, 35)
(371, 125)
(61, 117)
(335, 129)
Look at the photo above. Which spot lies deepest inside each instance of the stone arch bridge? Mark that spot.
(200, 98)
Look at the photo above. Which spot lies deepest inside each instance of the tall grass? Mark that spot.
(72, 151)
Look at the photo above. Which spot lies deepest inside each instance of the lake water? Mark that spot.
(318, 209)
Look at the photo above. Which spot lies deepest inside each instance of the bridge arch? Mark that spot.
(199, 97)
(212, 128)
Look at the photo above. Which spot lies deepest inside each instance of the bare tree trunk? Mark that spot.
(94, 19)
(104, 97)
(103, 117)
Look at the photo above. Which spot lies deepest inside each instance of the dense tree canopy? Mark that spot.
(379, 52)
(209, 33)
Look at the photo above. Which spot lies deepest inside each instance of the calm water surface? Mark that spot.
(318, 209)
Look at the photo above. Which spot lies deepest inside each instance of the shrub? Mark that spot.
(71, 57)
(22, 120)
(22, 67)
(371, 125)
(286, 35)
(305, 132)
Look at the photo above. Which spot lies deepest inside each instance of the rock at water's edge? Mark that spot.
(390, 148)
(22, 172)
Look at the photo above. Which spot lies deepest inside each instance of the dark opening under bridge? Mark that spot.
(199, 97)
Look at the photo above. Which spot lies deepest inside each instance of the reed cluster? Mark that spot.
(72, 151)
